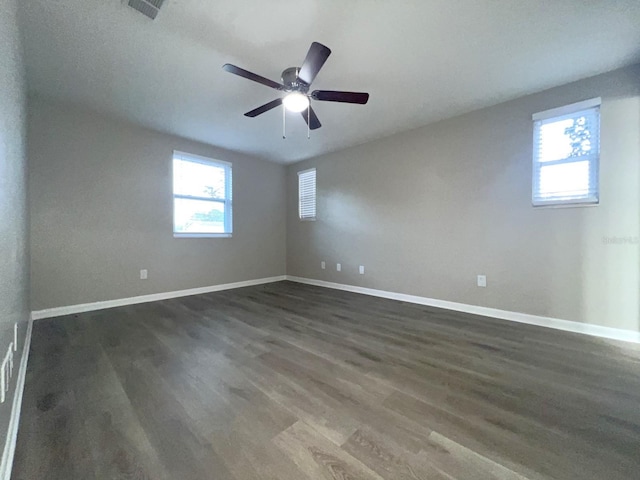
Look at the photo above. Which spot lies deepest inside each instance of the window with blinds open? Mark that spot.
(201, 196)
(566, 151)
(307, 194)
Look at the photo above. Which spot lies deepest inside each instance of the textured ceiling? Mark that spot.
(421, 61)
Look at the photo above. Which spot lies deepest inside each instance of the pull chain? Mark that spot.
(309, 121)
(284, 122)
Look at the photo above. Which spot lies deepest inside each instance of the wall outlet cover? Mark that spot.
(482, 280)
(338, 267)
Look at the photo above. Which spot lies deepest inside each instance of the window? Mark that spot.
(307, 194)
(201, 197)
(566, 151)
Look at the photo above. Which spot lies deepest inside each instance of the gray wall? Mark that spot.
(427, 210)
(14, 261)
(101, 203)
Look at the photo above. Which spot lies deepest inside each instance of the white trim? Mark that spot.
(192, 157)
(154, 297)
(567, 109)
(14, 421)
(202, 235)
(549, 322)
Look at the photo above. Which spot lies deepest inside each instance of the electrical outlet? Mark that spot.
(144, 274)
(323, 265)
(338, 267)
(361, 269)
(482, 280)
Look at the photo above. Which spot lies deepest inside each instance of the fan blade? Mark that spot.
(345, 97)
(316, 56)
(264, 108)
(315, 123)
(252, 76)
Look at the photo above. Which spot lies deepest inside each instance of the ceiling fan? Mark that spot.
(295, 84)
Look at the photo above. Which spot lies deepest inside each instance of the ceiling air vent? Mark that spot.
(148, 8)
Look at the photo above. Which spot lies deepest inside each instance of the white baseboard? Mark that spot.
(556, 323)
(549, 322)
(14, 421)
(154, 297)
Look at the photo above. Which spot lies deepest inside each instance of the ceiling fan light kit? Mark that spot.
(296, 102)
(295, 83)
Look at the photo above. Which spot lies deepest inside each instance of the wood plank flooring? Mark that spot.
(293, 382)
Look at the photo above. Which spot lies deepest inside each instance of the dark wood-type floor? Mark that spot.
(292, 382)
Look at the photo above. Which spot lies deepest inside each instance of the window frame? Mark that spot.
(557, 114)
(315, 195)
(227, 201)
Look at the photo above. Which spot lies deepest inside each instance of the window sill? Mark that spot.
(308, 219)
(566, 205)
(202, 235)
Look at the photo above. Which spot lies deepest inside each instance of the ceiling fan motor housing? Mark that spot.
(292, 82)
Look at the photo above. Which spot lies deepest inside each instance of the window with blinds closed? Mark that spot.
(566, 153)
(307, 194)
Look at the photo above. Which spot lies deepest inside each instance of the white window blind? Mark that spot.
(566, 152)
(201, 196)
(307, 194)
